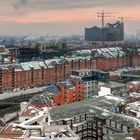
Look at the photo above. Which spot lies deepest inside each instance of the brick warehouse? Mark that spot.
(38, 73)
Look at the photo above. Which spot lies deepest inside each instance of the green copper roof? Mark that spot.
(77, 58)
(33, 64)
(10, 58)
(1, 58)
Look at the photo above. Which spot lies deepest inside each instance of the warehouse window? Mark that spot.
(85, 134)
(89, 125)
(79, 128)
(46, 119)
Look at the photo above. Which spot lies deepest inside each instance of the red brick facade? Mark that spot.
(66, 95)
(115, 63)
(23, 79)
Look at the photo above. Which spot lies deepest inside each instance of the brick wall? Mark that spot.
(23, 79)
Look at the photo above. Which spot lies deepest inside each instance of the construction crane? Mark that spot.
(123, 17)
(102, 15)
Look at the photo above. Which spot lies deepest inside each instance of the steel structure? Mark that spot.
(102, 15)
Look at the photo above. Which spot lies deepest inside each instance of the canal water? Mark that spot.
(9, 110)
(11, 106)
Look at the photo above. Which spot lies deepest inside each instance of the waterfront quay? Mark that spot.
(14, 98)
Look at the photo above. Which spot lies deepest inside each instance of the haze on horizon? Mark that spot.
(63, 17)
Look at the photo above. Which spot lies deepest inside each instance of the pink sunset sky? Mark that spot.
(64, 16)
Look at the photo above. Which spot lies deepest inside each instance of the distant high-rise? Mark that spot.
(112, 32)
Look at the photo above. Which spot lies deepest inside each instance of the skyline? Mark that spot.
(19, 17)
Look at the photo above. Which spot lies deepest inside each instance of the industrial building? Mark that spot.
(113, 58)
(112, 32)
(38, 73)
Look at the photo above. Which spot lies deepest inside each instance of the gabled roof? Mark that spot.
(17, 67)
(110, 52)
(33, 64)
(30, 111)
(52, 62)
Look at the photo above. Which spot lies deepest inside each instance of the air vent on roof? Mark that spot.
(31, 66)
(41, 65)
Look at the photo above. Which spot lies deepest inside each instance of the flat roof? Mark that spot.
(98, 106)
(114, 85)
(121, 136)
(61, 129)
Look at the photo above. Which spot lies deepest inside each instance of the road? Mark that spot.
(7, 95)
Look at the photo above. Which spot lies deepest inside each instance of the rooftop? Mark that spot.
(61, 130)
(33, 64)
(98, 106)
(31, 111)
(135, 106)
(114, 85)
(111, 52)
(17, 67)
(121, 136)
(9, 131)
(67, 84)
(51, 91)
(15, 131)
(52, 62)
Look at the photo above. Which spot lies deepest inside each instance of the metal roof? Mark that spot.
(33, 64)
(17, 67)
(111, 52)
(1, 58)
(52, 62)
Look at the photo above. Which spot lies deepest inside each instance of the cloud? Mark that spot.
(19, 3)
(63, 16)
(65, 4)
(57, 16)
